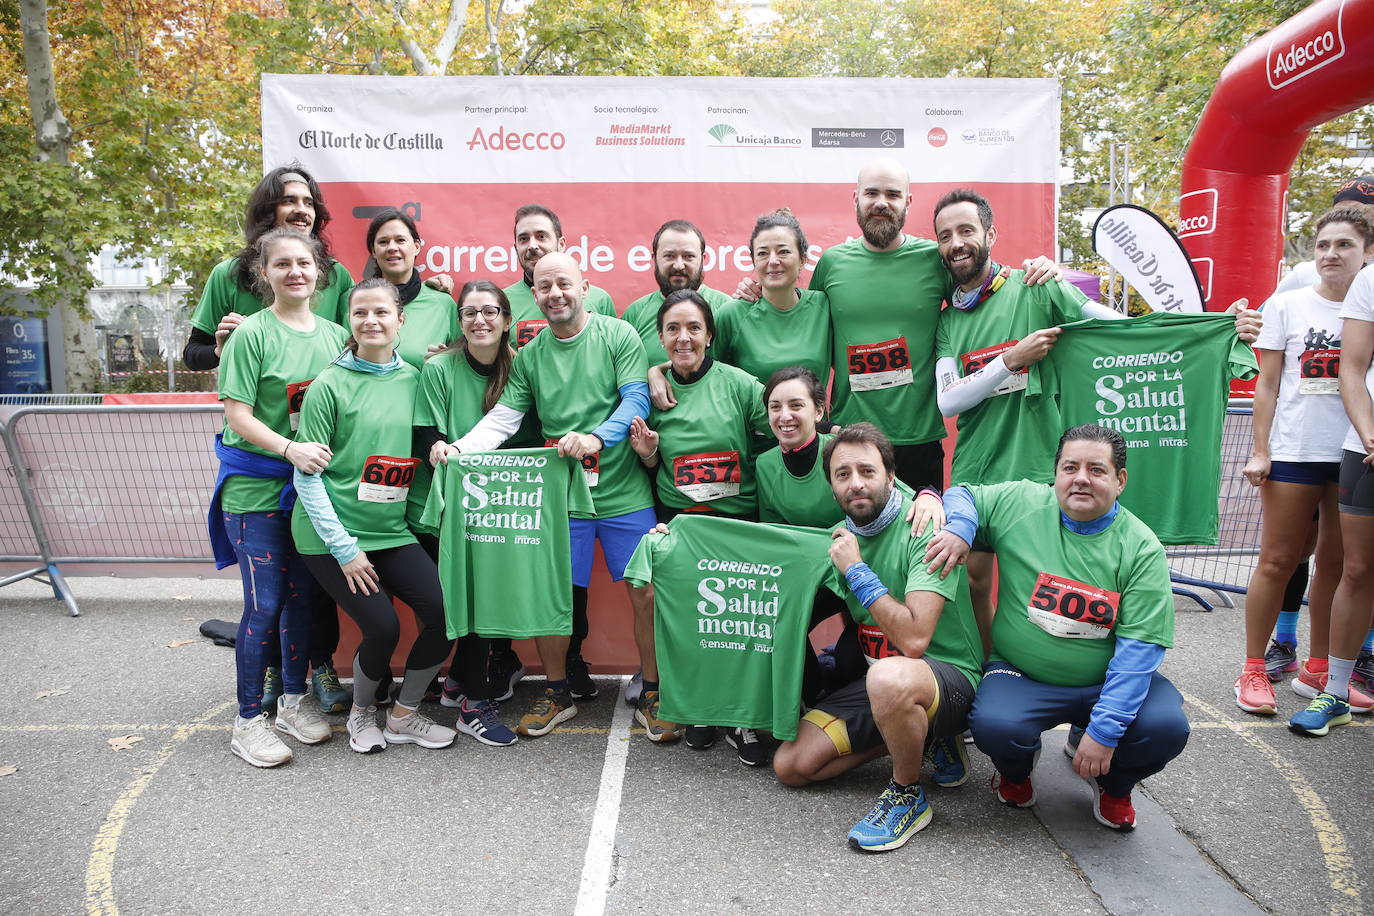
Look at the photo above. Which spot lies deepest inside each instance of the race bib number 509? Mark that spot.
(1074, 610)
(886, 364)
(386, 479)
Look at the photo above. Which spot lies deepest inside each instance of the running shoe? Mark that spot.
(896, 817)
(1308, 685)
(1280, 659)
(748, 745)
(482, 720)
(950, 760)
(1364, 670)
(580, 683)
(1013, 794)
(1114, 811)
(504, 671)
(417, 728)
(363, 734)
(1071, 742)
(254, 741)
(1255, 694)
(451, 695)
(1324, 713)
(655, 729)
(272, 688)
(700, 737)
(329, 693)
(548, 711)
(634, 689)
(303, 720)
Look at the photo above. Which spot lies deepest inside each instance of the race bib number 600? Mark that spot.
(591, 464)
(886, 364)
(1075, 610)
(295, 395)
(977, 359)
(386, 479)
(1319, 372)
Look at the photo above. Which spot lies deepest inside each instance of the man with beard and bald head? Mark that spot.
(538, 231)
(678, 248)
(585, 380)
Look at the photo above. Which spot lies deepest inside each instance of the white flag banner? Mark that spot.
(1147, 253)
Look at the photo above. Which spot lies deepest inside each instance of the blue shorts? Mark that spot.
(1311, 473)
(619, 536)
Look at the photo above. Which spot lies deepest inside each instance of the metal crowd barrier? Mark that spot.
(106, 484)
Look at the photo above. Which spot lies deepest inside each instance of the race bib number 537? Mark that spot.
(386, 479)
(1075, 610)
(886, 364)
(704, 477)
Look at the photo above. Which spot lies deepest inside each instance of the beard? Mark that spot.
(973, 267)
(878, 502)
(666, 287)
(881, 229)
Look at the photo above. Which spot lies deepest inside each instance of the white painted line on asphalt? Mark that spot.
(599, 862)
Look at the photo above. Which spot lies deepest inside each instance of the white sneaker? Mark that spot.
(418, 728)
(303, 720)
(363, 734)
(254, 741)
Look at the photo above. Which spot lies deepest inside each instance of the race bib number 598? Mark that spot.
(886, 364)
(1075, 610)
(386, 479)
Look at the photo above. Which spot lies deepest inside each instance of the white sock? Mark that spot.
(291, 699)
(1338, 676)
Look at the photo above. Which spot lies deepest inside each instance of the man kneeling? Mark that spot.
(924, 656)
(1084, 613)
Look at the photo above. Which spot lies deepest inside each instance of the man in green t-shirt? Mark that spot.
(1085, 611)
(678, 248)
(538, 231)
(924, 653)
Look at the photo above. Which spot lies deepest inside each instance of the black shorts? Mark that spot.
(846, 716)
(920, 466)
(1355, 491)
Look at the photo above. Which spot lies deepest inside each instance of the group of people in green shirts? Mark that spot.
(342, 399)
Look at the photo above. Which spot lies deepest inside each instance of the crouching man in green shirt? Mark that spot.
(923, 654)
(1084, 614)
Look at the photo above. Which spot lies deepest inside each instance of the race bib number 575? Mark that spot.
(886, 364)
(1074, 610)
(386, 479)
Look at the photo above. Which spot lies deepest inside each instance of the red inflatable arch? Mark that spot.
(1311, 69)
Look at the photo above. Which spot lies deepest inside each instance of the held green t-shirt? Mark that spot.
(732, 603)
(365, 419)
(1162, 380)
(431, 319)
(1008, 436)
(223, 295)
(1064, 598)
(269, 365)
(642, 314)
(761, 339)
(705, 441)
(898, 560)
(806, 501)
(884, 307)
(575, 386)
(504, 556)
(527, 320)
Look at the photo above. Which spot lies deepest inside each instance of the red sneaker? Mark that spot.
(1116, 812)
(1014, 794)
(1254, 693)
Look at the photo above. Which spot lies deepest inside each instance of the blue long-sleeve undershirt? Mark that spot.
(634, 402)
(961, 515)
(1128, 681)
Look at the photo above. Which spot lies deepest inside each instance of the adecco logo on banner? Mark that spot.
(510, 140)
(1305, 54)
(1197, 213)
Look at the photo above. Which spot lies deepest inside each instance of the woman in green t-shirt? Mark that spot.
(271, 356)
(393, 242)
(793, 488)
(353, 535)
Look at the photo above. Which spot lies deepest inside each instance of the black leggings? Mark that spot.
(469, 668)
(408, 573)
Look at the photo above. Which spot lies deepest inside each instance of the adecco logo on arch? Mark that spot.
(1197, 213)
(1306, 53)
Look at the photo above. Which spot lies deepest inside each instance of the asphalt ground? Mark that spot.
(595, 818)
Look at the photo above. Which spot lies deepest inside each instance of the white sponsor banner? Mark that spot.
(1151, 258)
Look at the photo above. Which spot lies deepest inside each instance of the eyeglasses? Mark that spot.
(489, 312)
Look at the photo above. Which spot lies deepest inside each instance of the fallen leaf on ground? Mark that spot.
(191, 619)
(123, 742)
(181, 597)
(9, 770)
(179, 643)
(53, 692)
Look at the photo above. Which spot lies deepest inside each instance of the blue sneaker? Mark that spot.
(895, 817)
(271, 690)
(1320, 716)
(950, 760)
(483, 722)
(329, 693)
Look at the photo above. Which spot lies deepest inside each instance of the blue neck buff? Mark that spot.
(350, 360)
(1096, 526)
(890, 512)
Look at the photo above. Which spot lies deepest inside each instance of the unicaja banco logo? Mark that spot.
(721, 131)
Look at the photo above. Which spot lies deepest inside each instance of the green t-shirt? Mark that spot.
(705, 442)
(269, 365)
(223, 295)
(1162, 380)
(884, 307)
(365, 419)
(431, 319)
(642, 314)
(527, 320)
(899, 561)
(1090, 587)
(1008, 436)
(760, 339)
(504, 557)
(732, 603)
(575, 386)
(806, 501)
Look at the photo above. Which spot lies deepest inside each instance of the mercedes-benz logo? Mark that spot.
(888, 138)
